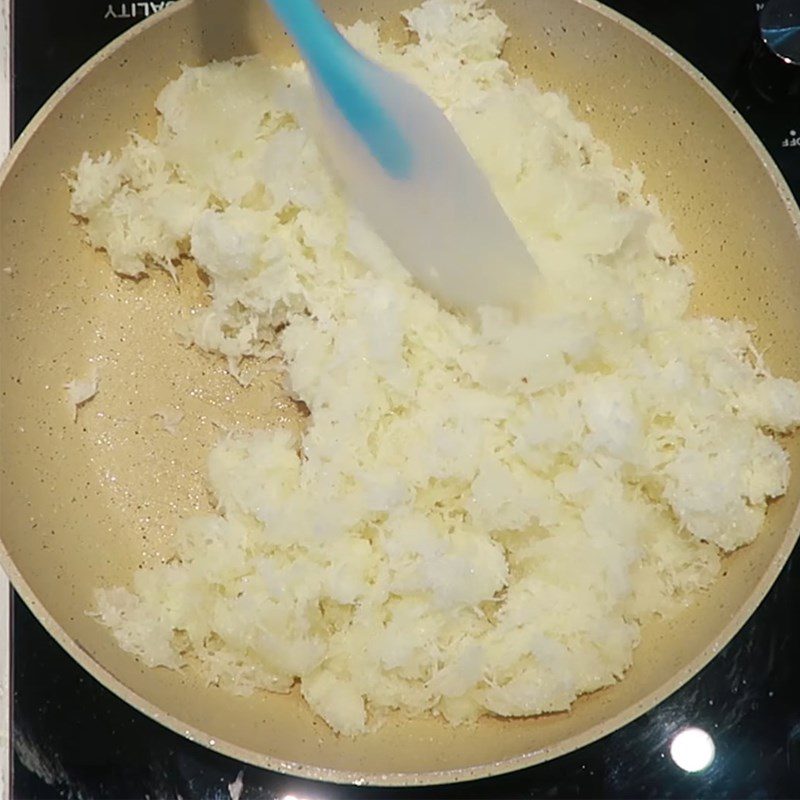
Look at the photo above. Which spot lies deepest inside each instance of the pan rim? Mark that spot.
(460, 774)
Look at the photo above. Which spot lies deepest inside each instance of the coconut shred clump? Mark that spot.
(479, 514)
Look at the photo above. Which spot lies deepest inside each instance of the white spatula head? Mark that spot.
(403, 164)
(440, 217)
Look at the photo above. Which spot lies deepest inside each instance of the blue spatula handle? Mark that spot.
(350, 81)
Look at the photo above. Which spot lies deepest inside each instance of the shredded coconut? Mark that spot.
(81, 391)
(478, 517)
(170, 418)
(235, 788)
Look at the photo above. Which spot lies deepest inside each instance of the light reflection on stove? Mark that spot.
(692, 749)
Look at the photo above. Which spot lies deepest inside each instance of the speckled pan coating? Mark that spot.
(83, 504)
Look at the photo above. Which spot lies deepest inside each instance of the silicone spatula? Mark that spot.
(403, 164)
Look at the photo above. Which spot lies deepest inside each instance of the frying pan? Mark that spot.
(84, 503)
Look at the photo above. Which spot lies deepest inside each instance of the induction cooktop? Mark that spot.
(732, 731)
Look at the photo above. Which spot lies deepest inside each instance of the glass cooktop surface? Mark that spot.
(738, 720)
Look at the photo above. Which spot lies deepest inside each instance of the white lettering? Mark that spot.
(792, 140)
(135, 10)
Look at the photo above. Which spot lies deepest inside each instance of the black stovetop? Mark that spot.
(73, 739)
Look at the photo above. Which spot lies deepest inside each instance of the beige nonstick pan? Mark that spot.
(84, 503)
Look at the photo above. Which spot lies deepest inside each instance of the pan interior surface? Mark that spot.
(84, 504)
